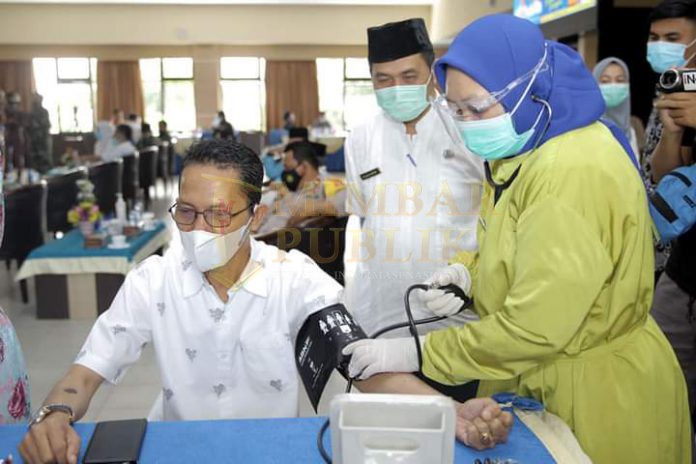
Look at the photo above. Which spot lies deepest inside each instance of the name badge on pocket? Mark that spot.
(371, 173)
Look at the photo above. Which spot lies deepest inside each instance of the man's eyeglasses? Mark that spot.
(185, 215)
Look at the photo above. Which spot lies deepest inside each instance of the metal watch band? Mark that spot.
(46, 410)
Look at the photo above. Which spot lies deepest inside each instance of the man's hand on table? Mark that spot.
(482, 424)
(53, 440)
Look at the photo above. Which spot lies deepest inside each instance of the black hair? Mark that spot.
(429, 57)
(298, 133)
(221, 114)
(126, 130)
(228, 154)
(669, 9)
(286, 115)
(303, 152)
(132, 117)
(163, 123)
(145, 127)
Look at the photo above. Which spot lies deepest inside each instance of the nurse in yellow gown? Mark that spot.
(563, 279)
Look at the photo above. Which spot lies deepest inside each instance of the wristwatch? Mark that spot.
(44, 412)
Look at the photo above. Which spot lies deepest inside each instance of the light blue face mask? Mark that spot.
(496, 138)
(614, 94)
(403, 102)
(493, 138)
(666, 55)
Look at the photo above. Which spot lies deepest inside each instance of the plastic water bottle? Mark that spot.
(120, 209)
(138, 207)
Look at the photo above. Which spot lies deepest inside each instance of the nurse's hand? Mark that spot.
(482, 424)
(370, 357)
(447, 304)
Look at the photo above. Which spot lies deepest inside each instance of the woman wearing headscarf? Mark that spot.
(563, 278)
(14, 384)
(614, 83)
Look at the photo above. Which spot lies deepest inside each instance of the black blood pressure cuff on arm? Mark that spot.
(319, 346)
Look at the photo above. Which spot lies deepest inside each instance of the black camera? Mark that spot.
(677, 80)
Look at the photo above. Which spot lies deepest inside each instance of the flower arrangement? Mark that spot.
(86, 213)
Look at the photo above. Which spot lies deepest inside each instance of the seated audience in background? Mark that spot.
(164, 134)
(103, 136)
(147, 139)
(614, 82)
(222, 129)
(288, 120)
(118, 117)
(199, 303)
(303, 192)
(272, 155)
(122, 144)
(135, 122)
(104, 132)
(298, 134)
(321, 124)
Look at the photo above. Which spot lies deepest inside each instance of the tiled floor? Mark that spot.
(50, 346)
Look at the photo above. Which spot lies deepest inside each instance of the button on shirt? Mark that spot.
(217, 360)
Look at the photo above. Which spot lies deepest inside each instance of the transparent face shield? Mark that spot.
(471, 109)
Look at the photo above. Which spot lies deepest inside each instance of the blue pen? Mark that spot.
(410, 158)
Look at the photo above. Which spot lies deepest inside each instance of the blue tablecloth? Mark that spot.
(266, 441)
(72, 246)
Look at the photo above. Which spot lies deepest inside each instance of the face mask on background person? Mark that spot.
(209, 250)
(666, 55)
(614, 94)
(404, 102)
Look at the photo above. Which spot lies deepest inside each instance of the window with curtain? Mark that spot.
(169, 93)
(69, 89)
(345, 90)
(244, 92)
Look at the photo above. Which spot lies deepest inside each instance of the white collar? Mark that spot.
(253, 278)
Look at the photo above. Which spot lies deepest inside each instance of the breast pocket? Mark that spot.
(269, 362)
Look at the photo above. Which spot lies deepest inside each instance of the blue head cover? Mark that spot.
(497, 49)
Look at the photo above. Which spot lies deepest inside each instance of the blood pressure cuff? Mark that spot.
(319, 346)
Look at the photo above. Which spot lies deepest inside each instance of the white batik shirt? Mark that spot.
(217, 360)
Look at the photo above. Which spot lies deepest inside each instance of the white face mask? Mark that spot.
(210, 251)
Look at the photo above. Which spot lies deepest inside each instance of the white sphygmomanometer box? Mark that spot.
(381, 429)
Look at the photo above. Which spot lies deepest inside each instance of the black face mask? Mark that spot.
(291, 179)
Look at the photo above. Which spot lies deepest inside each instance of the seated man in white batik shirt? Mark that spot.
(222, 315)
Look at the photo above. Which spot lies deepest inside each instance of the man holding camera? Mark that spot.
(675, 292)
(672, 28)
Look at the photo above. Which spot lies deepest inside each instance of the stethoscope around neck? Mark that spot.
(498, 189)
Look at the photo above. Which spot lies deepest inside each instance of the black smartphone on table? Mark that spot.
(116, 442)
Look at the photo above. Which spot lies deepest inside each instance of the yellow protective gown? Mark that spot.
(563, 282)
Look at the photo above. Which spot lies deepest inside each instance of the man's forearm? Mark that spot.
(405, 384)
(76, 390)
(667, 155)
